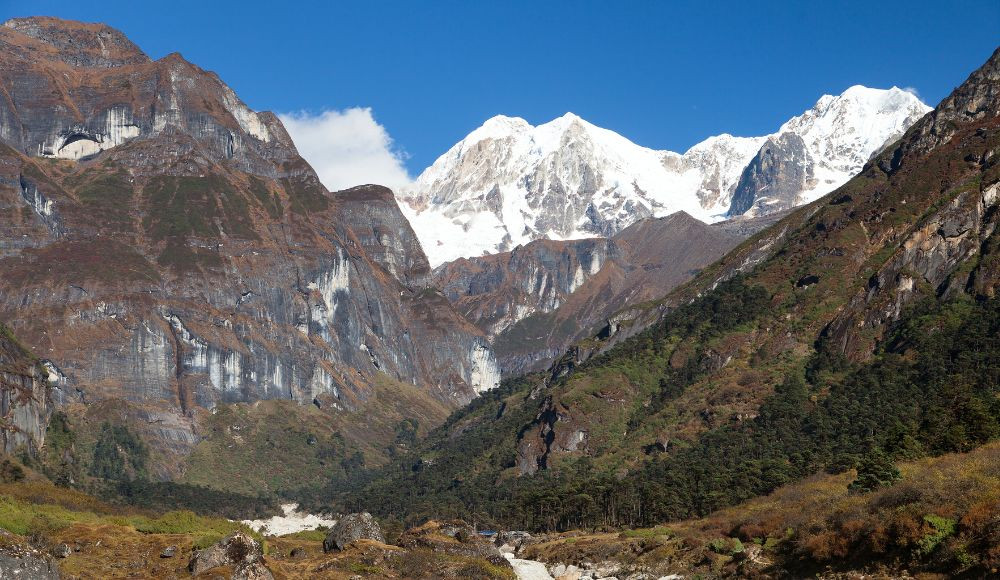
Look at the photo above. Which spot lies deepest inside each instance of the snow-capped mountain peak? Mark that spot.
(498, 127)
(509, 182)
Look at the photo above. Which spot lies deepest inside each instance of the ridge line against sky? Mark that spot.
(405, 81)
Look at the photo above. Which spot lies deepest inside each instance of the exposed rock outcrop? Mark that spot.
(537, 300)
(20, 560)
(372, 214)
(25, 396)
(774, 178)
(928, 256)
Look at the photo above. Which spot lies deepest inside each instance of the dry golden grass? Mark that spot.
(110, 542)
(942, 517)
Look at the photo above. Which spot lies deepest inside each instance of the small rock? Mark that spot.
(62, 551)
(168, 552)
(297, 553)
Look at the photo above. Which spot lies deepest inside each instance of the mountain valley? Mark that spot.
(557, 354)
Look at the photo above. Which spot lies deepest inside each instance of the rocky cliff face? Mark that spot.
(537, 300)
(372, 214)
(25, 401)
(164, 244)
(498, 291)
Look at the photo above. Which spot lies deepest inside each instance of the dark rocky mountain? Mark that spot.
(537, 300)
(163, 245)
(774, 177)
(853, 331)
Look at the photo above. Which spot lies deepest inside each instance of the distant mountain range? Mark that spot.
(509, 183)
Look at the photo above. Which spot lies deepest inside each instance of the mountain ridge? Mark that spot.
(511, 182)
(536, 300)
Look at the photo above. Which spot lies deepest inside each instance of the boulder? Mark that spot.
(511, 541)
(350, 528)
(239, 551)
(20, 560)
(169, 552)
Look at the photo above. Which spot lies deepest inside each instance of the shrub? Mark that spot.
(726, 546)
(942, 528)
(876, 470)
(10, 472)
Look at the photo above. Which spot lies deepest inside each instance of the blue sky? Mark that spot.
(664, 74)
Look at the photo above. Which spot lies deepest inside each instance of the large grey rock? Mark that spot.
(511, 541)
(18, 560)
(239, 551)
(351, 528)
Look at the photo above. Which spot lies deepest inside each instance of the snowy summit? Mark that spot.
(508, 182)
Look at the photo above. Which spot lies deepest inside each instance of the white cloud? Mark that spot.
(347, 148)
(913, 91)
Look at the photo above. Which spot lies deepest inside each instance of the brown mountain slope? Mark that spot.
(162, 244)
(537, 300)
